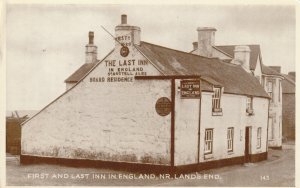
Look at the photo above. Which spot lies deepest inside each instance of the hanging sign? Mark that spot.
(190, 89)
(163, 106)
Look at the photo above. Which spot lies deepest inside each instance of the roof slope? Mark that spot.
(173, 62)
(288, 84)
(269, 71)
(254, 54)
(79, 73)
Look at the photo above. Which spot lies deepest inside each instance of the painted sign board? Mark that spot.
(190, 89)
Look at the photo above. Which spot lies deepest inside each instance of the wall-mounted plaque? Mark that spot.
(163, 106)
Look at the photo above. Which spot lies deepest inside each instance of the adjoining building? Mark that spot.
(250, 58)
(288, 106)
(13, 129)
(151, 108)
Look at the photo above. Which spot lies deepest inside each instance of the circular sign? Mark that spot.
(163, 106)
(124, 51)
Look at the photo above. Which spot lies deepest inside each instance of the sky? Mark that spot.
(46, 43)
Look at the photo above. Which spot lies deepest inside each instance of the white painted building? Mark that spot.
(148, 107)
(250, 58)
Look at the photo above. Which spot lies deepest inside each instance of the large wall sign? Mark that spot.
(122, 70)
(163, 106)
(190, 89)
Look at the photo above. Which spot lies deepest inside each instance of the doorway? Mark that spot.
(247, 144)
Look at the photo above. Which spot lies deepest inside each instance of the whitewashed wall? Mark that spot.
(186, 129)
(104, 121)
(234, 115)
(276, 112)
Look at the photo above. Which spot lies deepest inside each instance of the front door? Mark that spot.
(247, 144)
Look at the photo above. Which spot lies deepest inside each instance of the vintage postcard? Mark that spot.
(150, 94)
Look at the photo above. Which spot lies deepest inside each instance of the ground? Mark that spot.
(278, 170)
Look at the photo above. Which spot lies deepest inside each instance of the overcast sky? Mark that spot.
(46, 43)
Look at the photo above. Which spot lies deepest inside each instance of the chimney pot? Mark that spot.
(91, 50)
(133, 33)
(195, 45)
(91, 37)
(123, 19)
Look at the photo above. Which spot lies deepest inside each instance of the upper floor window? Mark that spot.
(230, 139)
(216, 99)
(249, 109)
(270, 90)
(258, 142)
(208, 141)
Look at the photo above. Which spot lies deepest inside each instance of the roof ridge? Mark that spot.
(195, 55)
(238, 45)
(180, 51)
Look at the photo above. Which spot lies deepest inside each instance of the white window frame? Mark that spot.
(208, 140)
(258, 142)
(216, 99)
(270, 88)
(230, 135)
(249, 108)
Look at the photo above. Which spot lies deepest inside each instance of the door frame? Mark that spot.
(247, 144)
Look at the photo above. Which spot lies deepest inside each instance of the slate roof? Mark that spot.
(269, 71)
(79, 73)
(254, 54)
(173, 62)
(288, 84)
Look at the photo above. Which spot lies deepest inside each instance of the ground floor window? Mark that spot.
(230, 139)
(208, 141)
(258, 143)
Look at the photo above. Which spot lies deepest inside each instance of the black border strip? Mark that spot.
(172, 121)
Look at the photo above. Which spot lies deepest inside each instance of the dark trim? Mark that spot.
(276, 147)
(267, 142)
(258, 157)
(199, 125)
(138, 167)
(124, 166)
(208, 165)
(166, 77)
(172, 121)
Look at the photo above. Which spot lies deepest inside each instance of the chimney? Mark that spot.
(293, 74)
(242, 55)
(91, 50)
(127, 34)
(276, 68)
(195, 45)
(123, 19)
(206, 40)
